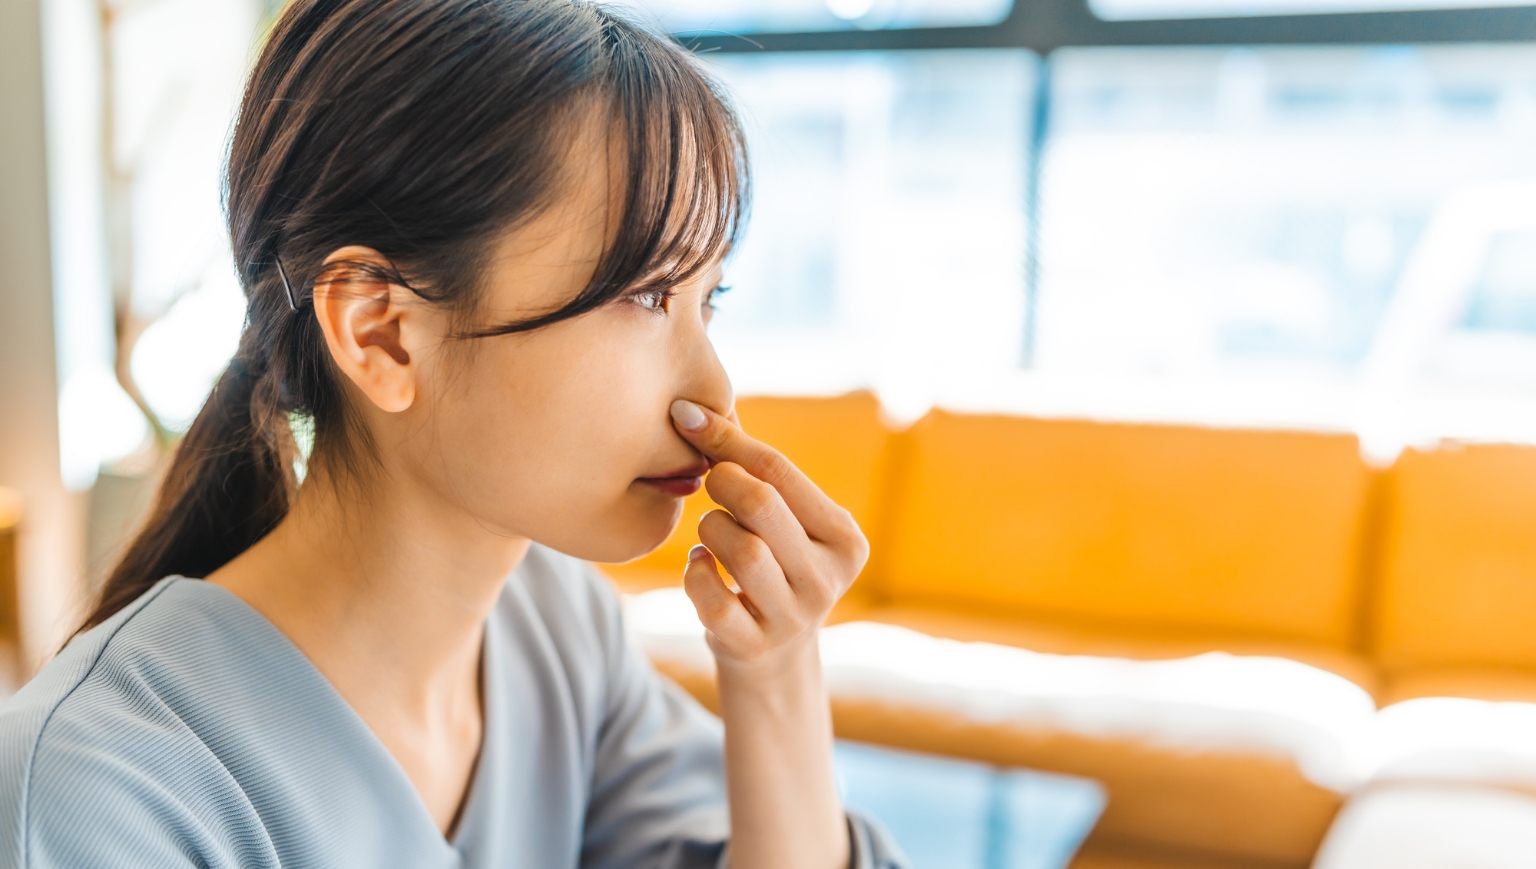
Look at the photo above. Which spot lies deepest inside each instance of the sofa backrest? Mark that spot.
(1256, 532)
(838, 442)
(1458, 559)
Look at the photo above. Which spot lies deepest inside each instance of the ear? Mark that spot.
(368, 324)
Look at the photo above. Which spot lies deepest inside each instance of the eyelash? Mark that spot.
(664, 297)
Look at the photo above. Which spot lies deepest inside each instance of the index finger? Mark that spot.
(718, 438)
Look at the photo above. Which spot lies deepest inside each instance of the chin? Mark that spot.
(635, 530)
(657, 525)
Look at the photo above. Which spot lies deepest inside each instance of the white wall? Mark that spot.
(52, 548)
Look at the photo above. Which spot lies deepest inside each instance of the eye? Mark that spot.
(654, 300)
(709, 298)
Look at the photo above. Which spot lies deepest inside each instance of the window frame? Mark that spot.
(1042, 26)
(1045, 25)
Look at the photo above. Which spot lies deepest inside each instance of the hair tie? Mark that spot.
(287, 288)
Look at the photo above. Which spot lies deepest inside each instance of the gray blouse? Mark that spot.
(188, 731)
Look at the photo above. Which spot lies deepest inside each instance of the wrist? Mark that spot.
(795, 664)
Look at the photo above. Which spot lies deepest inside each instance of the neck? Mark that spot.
(387, 593)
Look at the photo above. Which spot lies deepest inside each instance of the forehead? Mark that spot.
(549, 257)
(647, 204)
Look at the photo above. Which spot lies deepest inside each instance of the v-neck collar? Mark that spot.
(403, 801)
(470, 829)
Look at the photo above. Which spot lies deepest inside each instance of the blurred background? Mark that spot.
(1299, 215)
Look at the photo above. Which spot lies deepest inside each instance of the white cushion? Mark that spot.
(1217, 701)
(1451, 739)
(1432, 827)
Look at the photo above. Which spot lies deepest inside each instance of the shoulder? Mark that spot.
(44, 704)
(92, 737)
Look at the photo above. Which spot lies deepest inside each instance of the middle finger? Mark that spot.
(759, 508)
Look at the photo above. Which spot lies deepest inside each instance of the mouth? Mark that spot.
(682, 482)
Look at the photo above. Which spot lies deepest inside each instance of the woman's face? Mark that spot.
(560, 435)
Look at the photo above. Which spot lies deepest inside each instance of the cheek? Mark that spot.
(541, 436)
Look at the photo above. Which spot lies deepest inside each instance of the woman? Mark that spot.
(479, 239)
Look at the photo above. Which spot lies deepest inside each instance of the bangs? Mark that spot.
(687, 187)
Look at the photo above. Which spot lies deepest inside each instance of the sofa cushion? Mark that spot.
(1433, 827)
(1136, 642)
(1458, 562)
(1240, 531)
(1454, 740)
(838, 442)
(1232, 756)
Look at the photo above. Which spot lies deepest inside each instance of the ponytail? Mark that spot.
(226, 487)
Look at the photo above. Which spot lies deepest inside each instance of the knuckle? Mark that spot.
(756, 556)
(719, 611)
(718, 436)
(860, 547)
(847, 526)
(758, 504)
(774, 469)
(848, 536)
(821, 595)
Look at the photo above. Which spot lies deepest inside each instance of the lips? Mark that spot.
(682, 482)
(677, 487)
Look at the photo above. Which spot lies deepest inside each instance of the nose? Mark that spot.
(704, 380)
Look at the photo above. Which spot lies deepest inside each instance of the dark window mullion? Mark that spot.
(1040, 118)
(1045, 25)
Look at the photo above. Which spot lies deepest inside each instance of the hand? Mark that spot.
(792, 551)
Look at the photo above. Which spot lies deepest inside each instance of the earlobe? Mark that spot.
(363, 318)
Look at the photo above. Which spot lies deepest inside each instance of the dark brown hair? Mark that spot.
(422, 129)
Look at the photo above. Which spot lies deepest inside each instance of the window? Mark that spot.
(1054, 207)
(1130, 10)
(764, 16)
(1292, 214)
(887, 238)
(1223, 233)
(143, 268)
(1256, 208)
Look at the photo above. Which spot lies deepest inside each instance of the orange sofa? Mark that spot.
(10, 524)
(1206, 621)
(10, 581)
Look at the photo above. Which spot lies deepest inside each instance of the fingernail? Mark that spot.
(698, 551)
(688, 415)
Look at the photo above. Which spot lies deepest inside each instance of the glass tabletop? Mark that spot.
(953, 814)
